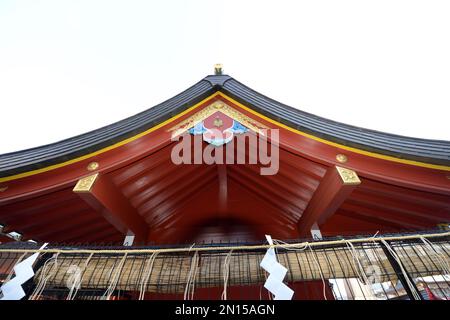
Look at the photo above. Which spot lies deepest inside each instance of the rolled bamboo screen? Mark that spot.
(170, 271)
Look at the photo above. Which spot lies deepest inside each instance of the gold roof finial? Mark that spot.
(218, 69)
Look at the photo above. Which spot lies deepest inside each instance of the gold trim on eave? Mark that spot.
(139, 135)
(114, 146)
(337, 145)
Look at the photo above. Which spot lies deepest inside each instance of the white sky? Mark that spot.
(67, 67)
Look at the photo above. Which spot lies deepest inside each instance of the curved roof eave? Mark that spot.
(424, 150)
(417, 149)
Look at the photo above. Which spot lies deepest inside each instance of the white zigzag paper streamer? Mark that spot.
(277, 272)
(12, 290)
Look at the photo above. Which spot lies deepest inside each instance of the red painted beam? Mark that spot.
(223, 189)
(334, 188)
(105, 198)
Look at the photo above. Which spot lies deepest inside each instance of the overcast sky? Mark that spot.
(67, 67)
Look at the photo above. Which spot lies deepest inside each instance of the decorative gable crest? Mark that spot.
(218, 123)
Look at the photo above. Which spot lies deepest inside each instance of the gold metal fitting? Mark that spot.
(218, 122)
(342, 158)
(85, 184)
(348, 176)
(93, 166)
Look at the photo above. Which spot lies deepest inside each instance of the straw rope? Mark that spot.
(405, 274)
(242, 268)
(48, 270)
(227, 248)
(115, 274)
(226, 274)
(439, 255)
(77, 282)
(156, 270)
(189, 289)
(146, 274)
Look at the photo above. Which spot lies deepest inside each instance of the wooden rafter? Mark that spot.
(334, 188)
(105, 198)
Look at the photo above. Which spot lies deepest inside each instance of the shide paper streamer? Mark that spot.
(277, 272)
(12, 290)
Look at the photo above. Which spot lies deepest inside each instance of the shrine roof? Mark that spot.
(423, 150)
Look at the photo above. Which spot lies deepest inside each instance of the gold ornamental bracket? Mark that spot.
(349, 177)
(85, 184)
(217, 106)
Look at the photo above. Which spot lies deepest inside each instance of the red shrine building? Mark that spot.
(197, 179)
(189, 171)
